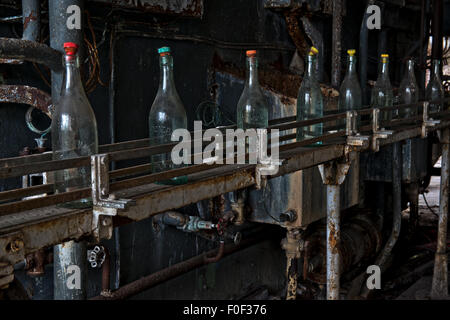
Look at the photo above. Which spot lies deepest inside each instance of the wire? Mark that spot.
(429, 208)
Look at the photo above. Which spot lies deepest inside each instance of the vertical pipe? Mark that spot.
(59, 33)
(31, 17)
(70, 253)
(337, 33)
(69, 271)
(333, 240)
(363, 54)
(438, 15)
(439, 287)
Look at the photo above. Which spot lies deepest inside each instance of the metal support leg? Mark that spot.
(293, 245)
(439, 288)
(333, 175)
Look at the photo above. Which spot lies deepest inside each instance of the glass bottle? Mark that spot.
(310, 100)
(408, 91)
(252, 108)
(166, 115)
(74, 127)
(350, 95)
(382, 94)
(435, 90)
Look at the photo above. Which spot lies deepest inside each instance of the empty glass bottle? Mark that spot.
(382, 94)
(74, 128)
(350, 96)
(310, 100)
(252, 108)
(435, 90)
(408, 91)
(166, 115)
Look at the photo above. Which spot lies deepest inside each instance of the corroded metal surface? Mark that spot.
(26, 95)
(192, 8)
(30, 51)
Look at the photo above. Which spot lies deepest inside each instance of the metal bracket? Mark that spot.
(105, 205)
(377, 132)
(266, 166)
(334, 172)
(427, 122)
(355, 141)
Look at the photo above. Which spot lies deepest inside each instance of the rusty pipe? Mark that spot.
(337, 48)
(173, 271)
(218, 256)
(439, 287)
(31, 17)
(292, 244)
(26, 95)
(106, 273)
(333, 241)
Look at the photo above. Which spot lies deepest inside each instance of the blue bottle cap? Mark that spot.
(164, 50)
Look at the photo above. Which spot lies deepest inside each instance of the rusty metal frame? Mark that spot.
(38, 226)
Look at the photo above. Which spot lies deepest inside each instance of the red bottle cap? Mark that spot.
(251, 53)
(70, 48)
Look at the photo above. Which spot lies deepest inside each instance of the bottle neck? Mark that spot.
(252, 72)
(310, 70)
(436, 68)
(166, 79)
(72, 79)
(384, 75)
(351, 69)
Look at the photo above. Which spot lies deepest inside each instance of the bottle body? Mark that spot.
(435, 90)
(167, 114)
(310, 102)
(408, 91)
(74, 128)
(252, 108)
(382, 93)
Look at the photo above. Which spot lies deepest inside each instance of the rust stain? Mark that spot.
(26, 95)
(28, 19)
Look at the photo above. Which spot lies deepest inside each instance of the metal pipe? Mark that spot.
(438, 15)
(333, 240)
(69, 271)
(31, 51)
(292, 246)
(363, 54)
(31, 17)
(26, 95)
(106, 273)
(173, 271)
(69, 253)
(383, 257)
(337, 49)
(59, 33)
(439, 287)
(219, 254)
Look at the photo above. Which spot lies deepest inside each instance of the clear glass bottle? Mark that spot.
(350, 95)
(310, 100)
(74, 127)
(166, 114)
(382, 93)
(408, 91)
(252, 108)
(435, 90)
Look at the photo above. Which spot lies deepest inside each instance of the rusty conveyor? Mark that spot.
(29, 225)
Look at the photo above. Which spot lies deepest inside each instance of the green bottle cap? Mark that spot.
(164, 50)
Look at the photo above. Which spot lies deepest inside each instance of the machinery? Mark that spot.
(332, 209)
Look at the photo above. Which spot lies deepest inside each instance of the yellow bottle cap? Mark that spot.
(313, 51)
(351, 52)
(385, 55)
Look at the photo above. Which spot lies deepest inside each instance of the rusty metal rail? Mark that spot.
(36, 223)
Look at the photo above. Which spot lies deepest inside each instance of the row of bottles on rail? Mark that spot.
(74, 127)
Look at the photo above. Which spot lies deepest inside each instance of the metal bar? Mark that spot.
(333, 240)
(26, 95)
(436, 25)
(30, 51)
(337, 49)
(174, 271)
(31, 15)
(439, 287)
(26, 192)
(363, 54)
